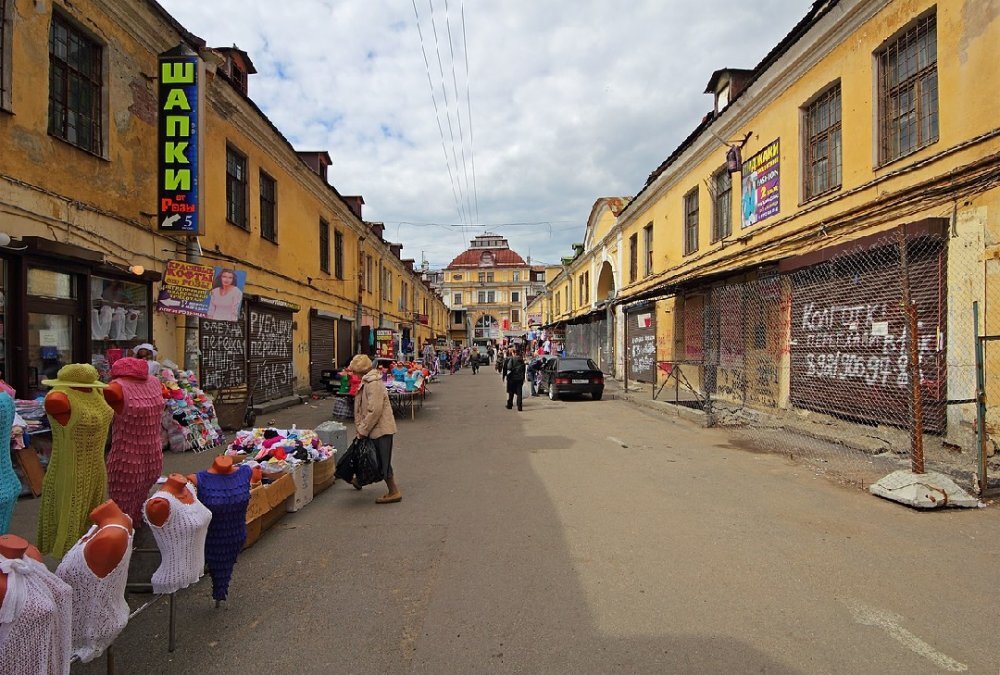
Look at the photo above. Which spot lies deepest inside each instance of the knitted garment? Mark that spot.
(10, 484)
(136, 456)
(181, 540)
(35, 619)
(76, 478)
(226, 495)
(99, 608)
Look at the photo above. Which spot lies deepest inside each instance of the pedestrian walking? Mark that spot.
(535, 373)
(514, 371)
(474, 361)
(373, 419)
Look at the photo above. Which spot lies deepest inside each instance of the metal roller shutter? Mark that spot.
(223, 353)
(270, 340)
(848, 335)
(345, 342)
(321, 349)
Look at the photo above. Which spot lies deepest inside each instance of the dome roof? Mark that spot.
(487, 257)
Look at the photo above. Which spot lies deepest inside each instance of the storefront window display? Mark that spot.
(50, 347)
(119, 319)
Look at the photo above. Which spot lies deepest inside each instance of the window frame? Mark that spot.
(647, 236)
(633, 257)
(456, 298)
(338, 254)
(268, 205)
(812, 136)
(6, 43)
(691, 221)
(719, 209)
(917, 30)
(232, 183)
(324, 246)
(515, 296)
(95, 79)
(369, 274)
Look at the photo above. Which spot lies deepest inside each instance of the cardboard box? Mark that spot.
(303, 477)
(323, 475)
(267, 507)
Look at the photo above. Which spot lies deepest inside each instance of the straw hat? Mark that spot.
(76, 375)
(360, 364)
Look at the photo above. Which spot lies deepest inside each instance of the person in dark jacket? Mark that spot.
(514, 371)
(474, 360)
(534, 368)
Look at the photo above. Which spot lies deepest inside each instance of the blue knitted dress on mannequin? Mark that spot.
(226, 495)
(10, 484)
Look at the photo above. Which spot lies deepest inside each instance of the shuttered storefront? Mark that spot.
(322, 347)
(271, 348)
(345, 342)
(591, 339)
(640, 344)
(849, 345)
(223, 347)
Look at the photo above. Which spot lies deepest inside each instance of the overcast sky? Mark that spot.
(570, 101)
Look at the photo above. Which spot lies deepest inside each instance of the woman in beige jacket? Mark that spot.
(373, 418)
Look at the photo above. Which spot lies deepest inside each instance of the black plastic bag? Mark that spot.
(360, 462)
(366, 466)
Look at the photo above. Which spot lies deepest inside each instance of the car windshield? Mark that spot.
(577, 364)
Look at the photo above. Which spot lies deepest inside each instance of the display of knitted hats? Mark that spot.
(35, 619)
(226, 495)
(76, 478)
(136, 456)
(10, 484)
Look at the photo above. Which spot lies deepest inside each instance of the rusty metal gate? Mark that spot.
(271, 349)
(322, 348)
(849, 336)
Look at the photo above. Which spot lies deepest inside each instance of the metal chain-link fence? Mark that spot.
(858, 359)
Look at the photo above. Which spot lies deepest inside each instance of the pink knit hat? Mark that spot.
(130, 367)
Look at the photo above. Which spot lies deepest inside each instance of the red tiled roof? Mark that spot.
(502, 257)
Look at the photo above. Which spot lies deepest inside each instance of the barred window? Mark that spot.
(236, 188)
(722, 204)
(324, 246)
(268, 208)
(633, 257)
(908, 91)
(691, 222)
(338, 254)
(74, 86)
(822, 157)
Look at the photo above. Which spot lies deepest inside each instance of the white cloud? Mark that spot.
(570, 101)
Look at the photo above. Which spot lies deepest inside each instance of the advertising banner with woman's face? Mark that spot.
(199, 290)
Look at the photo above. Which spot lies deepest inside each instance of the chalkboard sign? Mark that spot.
(223, 353)
(640, 352)
(270, 343)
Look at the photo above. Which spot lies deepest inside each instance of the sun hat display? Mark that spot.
(76, 375)
(144, 345)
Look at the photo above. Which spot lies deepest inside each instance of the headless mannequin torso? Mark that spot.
(158, 508)
(57, 403)
(106, 548)
(12, 546)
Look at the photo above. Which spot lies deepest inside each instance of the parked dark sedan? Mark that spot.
(572, 375)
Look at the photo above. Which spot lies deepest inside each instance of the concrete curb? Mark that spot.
(670, 409)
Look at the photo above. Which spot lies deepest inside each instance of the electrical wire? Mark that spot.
(468, 104)
(458, 110)
(437, 113)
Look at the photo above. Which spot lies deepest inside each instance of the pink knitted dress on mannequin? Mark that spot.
(136, 456)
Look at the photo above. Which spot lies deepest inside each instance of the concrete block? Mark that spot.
(929, 490)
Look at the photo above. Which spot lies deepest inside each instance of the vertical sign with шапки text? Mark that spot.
(179, 137)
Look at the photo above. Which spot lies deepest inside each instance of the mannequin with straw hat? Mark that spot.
(76, 478)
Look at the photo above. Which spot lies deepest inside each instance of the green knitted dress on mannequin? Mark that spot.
(76, 479)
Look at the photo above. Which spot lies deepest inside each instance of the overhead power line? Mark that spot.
(468, 104)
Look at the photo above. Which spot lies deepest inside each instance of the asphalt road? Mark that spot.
(589, 537)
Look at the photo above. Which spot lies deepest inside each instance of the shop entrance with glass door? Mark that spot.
(54, 325)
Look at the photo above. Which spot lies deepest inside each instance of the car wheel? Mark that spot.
(597, 395)
(553, 394)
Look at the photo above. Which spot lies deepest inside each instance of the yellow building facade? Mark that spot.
(79, 201)
(774, 256)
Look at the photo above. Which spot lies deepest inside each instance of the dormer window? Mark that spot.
(722, 98)
(238, 76)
